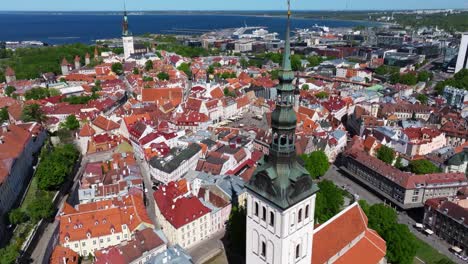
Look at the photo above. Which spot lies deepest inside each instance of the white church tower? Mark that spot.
(281, 194)
(127, 37)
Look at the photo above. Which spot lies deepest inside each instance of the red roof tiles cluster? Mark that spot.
(101, 218)
(178, 209)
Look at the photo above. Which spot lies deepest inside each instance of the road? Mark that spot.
(207, 249)
(150, 203)
(340, 179)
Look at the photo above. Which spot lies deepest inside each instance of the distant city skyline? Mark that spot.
(205, 5)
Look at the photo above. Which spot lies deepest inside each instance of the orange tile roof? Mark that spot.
(162, 96)
(105, 124)
(87, 131)
(63, 255)
(99, 218)
(340, 231)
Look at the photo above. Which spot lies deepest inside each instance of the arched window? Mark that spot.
(264, 213)
(298, 251)
(272, 218)
(256, 208)
(263, 251)
(307, 212)
(299, 216)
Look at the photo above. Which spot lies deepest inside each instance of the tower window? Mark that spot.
(307, 212)
(272, 218)
(298, 251)
(256, 209)
(299, 216)
(263, 252)
(264, 214)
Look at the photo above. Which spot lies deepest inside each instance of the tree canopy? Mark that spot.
(185, 67)
(316, 163)
(163, 76)
(148, 65)
(33, 112)
(4, 116)
(401, 244)
(71, 123)
(423, 167)
(9, 90)
(40, 208)
(330, 200)
(117, 68)
(459, 80)
(422, 98)
(386, 154)
(39, 93)
(56, 166)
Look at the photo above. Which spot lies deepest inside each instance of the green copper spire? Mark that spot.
(280, 178)
(125, 31)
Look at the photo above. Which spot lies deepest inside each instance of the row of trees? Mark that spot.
(55, 166)
(419, 167)
(459, 80)
(40, 93)
(30, 62)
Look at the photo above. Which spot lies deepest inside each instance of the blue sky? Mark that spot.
(100, 5)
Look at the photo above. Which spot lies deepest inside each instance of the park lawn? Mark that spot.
(31, 195)
(427, 253)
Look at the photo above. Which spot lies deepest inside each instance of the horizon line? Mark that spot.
(245, 10)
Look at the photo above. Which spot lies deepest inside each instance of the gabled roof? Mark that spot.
(105, 124)
(341, 232)
(87, 131)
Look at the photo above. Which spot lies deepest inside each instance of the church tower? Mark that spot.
(281, 194)
(127, 37)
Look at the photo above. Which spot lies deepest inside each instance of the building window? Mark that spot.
(264, 214)
(256, 209)
(298, 251)
(94, 242)
(272, 218)
(83, 244)
(307, 212)
(76, 245)
(299, 216)
(101, 240)
(108, 239)
(263, 252)
(118, 237)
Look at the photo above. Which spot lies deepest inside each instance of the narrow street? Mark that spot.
(341, 180)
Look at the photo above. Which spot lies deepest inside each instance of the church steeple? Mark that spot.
(280, 178)
(125, 27)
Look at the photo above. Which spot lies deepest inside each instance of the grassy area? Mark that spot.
(428, 254)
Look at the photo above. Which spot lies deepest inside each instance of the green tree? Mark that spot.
(305, 87)
(296, 63)
(425, 76)
(329, 202)
(210, 69)
(314, 61)
(422, 98)
(9, 254)
(386, 154)
(316, 163)
(321, 95)
(185, 67)
(136, 71)
(163, 76)
(33, 112)
(148, 65)
(4, 116)
(17, 216)
(423, 167)
(401, 244)
(244, 63)
(459, 80)
(71, 123)
(117, 68)
(37, 94)
(56, 166)
(40, 208)
(9, 90)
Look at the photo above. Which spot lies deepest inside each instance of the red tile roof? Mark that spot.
(63, 255)
(87, 131)
(177, 210)
(105, 124)
(340, 231)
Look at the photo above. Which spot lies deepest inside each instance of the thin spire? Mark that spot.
(125, 31)
(286, 66)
